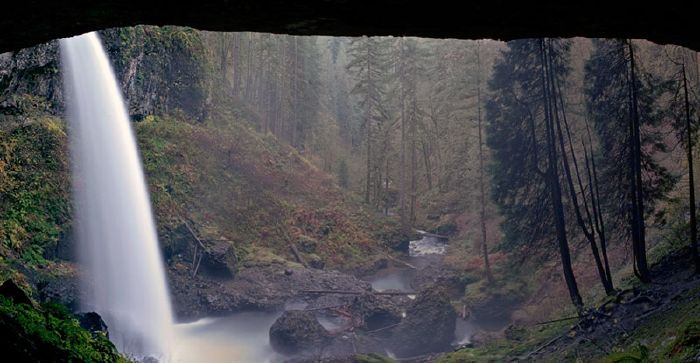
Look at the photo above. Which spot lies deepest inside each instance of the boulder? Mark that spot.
(13, 292)
(438, 274)
(375, 312)
(401, 245)
(296, 331)
(316, 262)
(219, 260)
(429, 325)
(92, 322)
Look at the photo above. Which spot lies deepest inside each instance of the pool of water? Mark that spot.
(240, 338)
(392, 279)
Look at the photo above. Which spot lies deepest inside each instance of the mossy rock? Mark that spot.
(50, 334)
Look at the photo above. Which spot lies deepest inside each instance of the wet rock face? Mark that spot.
(92, 322)
(30, 80)
(428, 327)
(63, 289)
(160, 70)
(296, 331)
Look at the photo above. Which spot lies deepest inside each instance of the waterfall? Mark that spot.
(122, 268)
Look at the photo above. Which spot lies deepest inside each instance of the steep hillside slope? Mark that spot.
(232, 184)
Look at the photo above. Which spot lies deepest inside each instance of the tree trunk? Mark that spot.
(236, 66)
(414, 166)
(249, 68)
(402, 181)
(482, 197)
(386, 188)
(368, 126)
(691, 178)
(426, 162)
(557, 100)
(595, 203)
(555, 191)
(638, 238)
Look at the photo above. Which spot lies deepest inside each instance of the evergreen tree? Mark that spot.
(369, 63)
(522, 133)
(622, 103)
(684, 117)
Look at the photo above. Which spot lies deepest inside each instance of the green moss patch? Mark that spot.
(50, 334)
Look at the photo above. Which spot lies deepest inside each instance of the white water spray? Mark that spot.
(122, 264)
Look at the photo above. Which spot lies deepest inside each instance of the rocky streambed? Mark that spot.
(401, 309)
(273, 313)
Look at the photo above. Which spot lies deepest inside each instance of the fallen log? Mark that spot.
(297, 255)
(558, 320)
(194, 235)
(402, 262)
(347, 292)
(384, 328)
(292, 247)
(428, 234)
(325, 307)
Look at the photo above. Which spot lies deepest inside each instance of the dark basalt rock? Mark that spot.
(63, 289)
(24, 23)
(438, 274)
(296, 331)
(92, 322)
(30, 79)
(219, 260)
(429, 325)
(375, 312)
(13, 292)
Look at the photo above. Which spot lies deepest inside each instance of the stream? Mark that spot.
(422, 253)
(244, 337)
